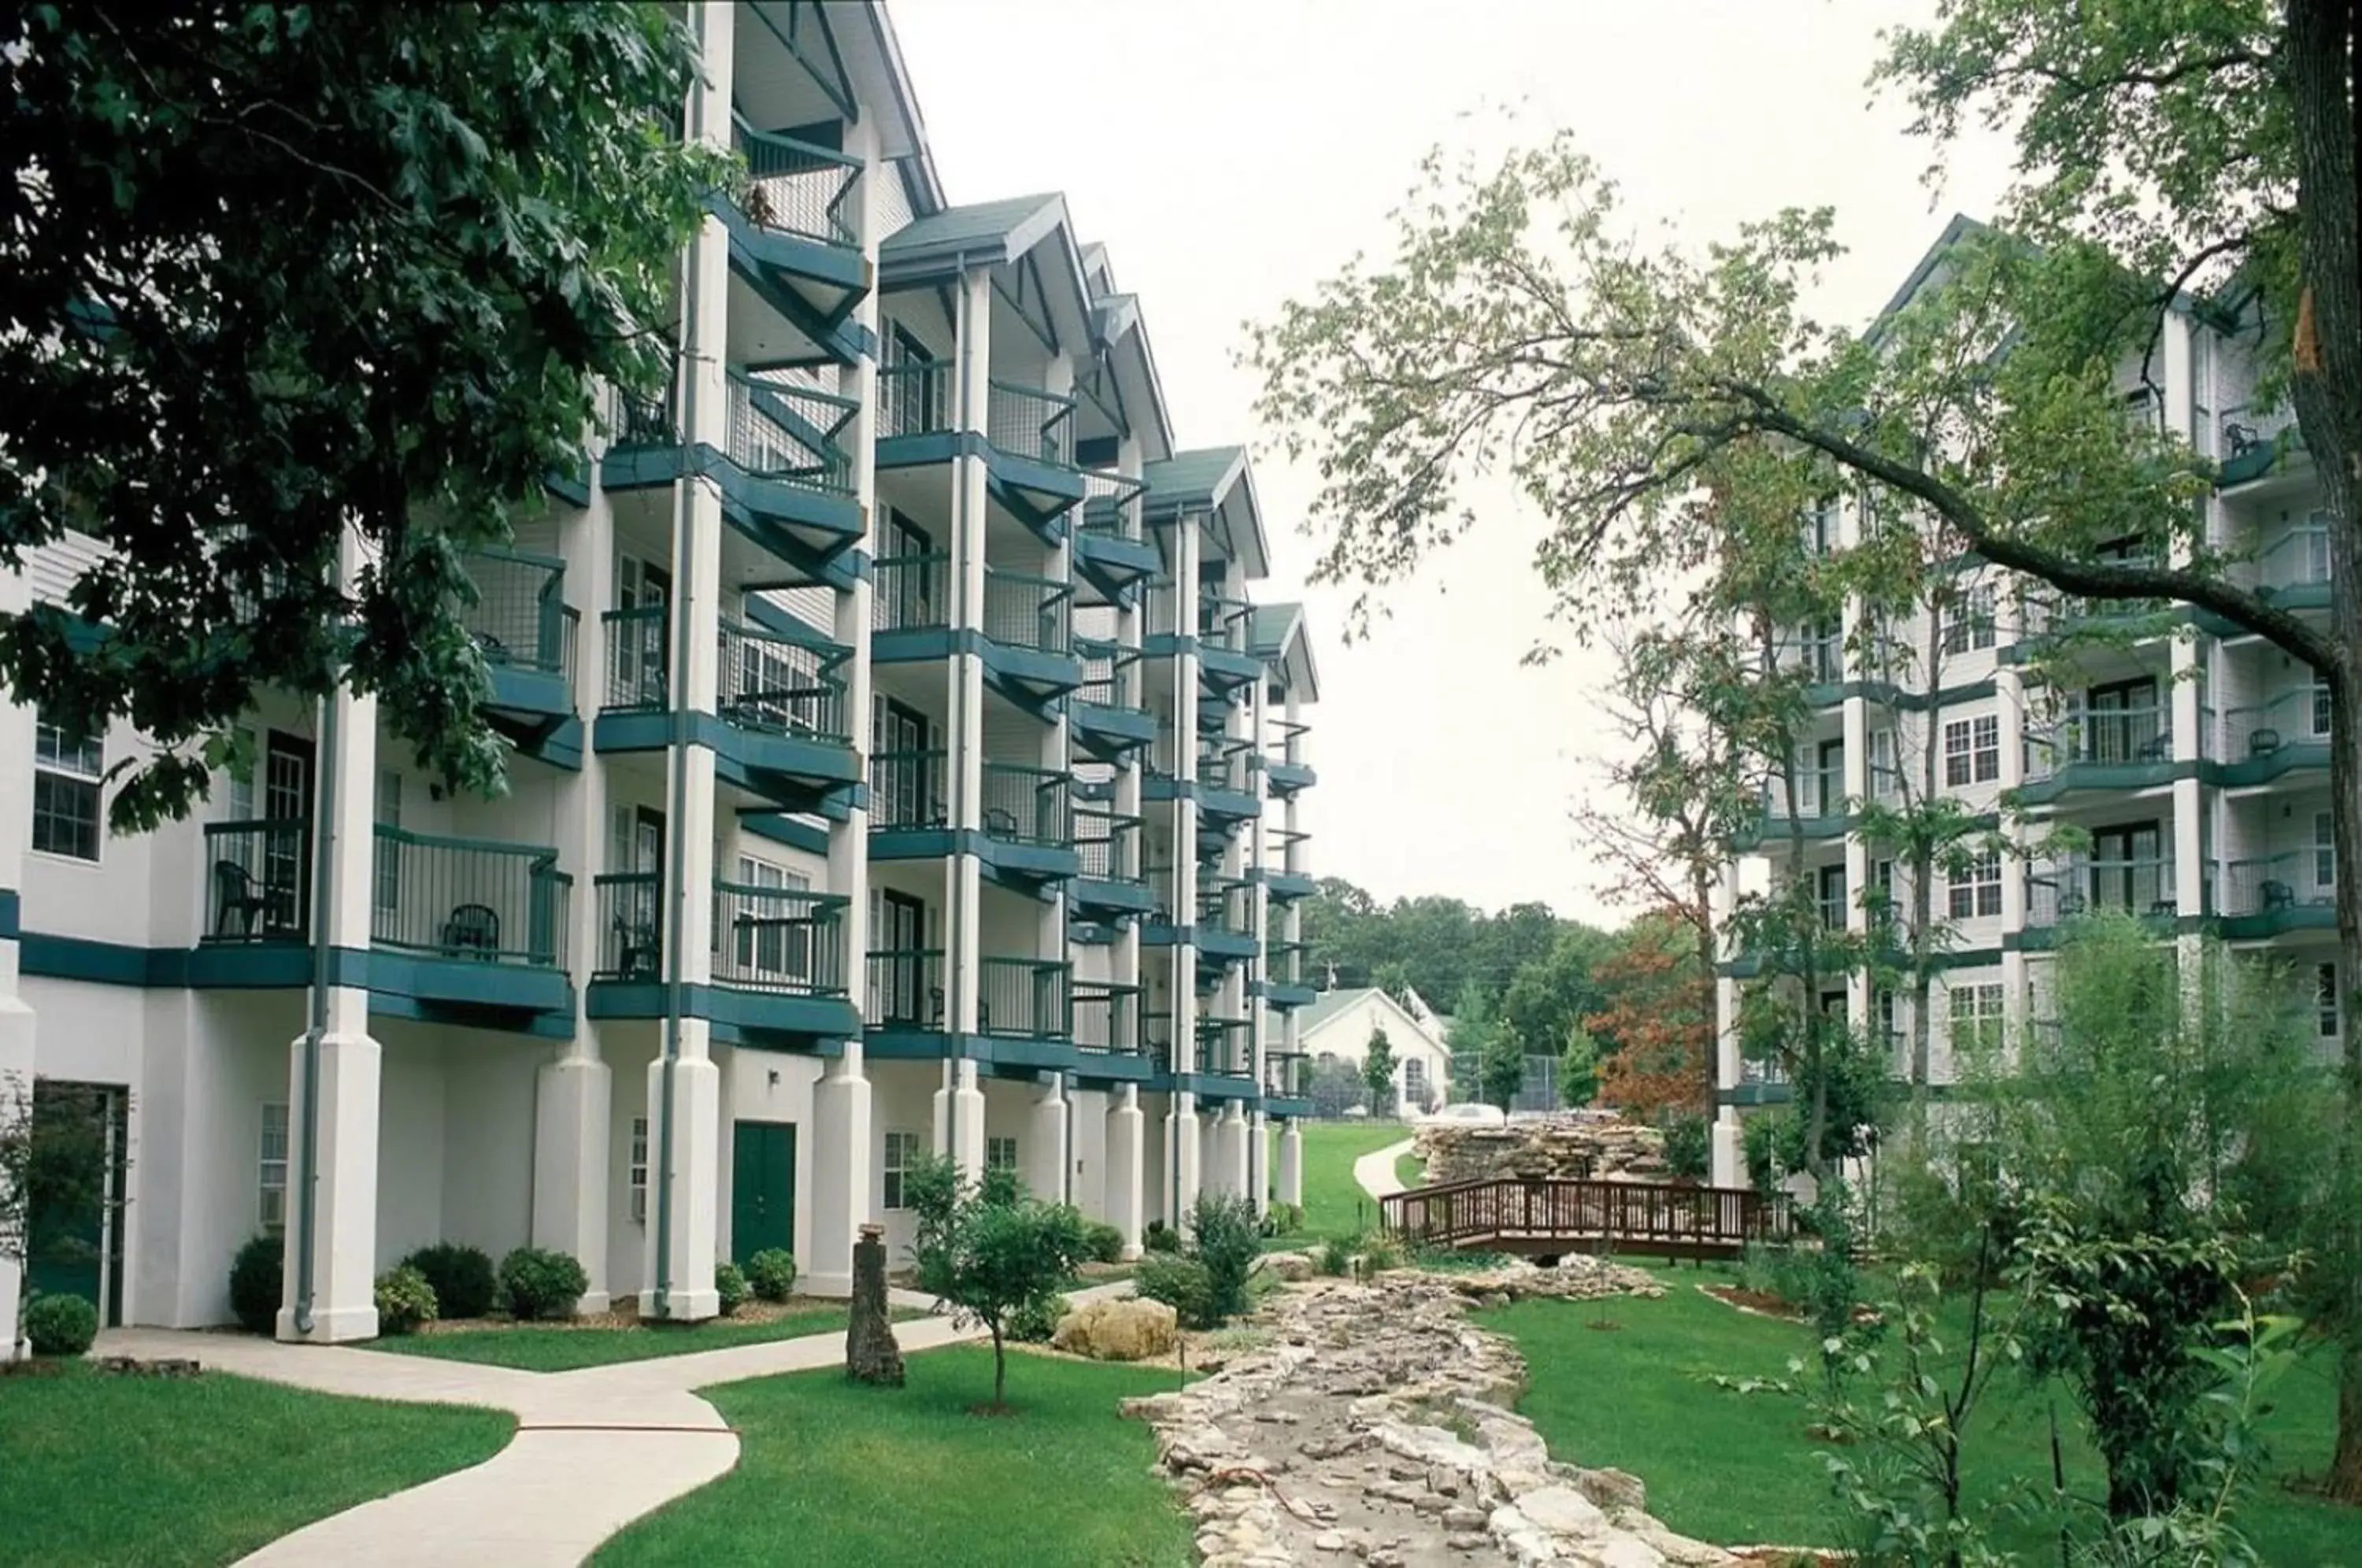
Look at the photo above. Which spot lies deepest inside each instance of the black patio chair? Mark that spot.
(236, 896)
(2263, 742)
(2278, 896)
(472, 929)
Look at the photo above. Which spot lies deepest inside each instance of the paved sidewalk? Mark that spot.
(593, 1450)
(1375, 1171)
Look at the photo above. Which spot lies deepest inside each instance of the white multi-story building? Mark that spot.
(898, 764)
(2193, 756)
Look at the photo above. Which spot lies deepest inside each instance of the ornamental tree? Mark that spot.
(278, 271)
(986, 1251)
(1378, 1070)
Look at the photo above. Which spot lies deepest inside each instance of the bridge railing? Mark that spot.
(1584, 1215)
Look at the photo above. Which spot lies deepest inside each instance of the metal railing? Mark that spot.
(645, 421)
(906, 988)
(1105, 1018)
(786, 431)
(1226, 904)
(1024, 999)
(907, 789)
(1028, 805)
(1224, 1046)
(2270, 884)
(777, 685)
(2100, 737)
(520, 618)
(915, 399)
(455, 898)
(636, 658)
(1107, 673)
(1291, 735)
(2085, 886)
(2243, 430)
(1161, 890)
(1818, 795)
(1222, 623)
(1156, 1038)
(1112, 505)
(911, 593)
(779, 939)
(1819, 659)
(629, 908)
(1286, 1074)
(259, 880)
(1028, 422)
(1025, 611)
(2260, 729)
(2298, 557)
(1108, 843)
(795, 187)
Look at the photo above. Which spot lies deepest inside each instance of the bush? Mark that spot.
(1034, 1322)
(542, 1283)
(1227, 1238)
(1106, 1243)
(59, 1325)
(461, 1278)
(772, 1273)
(1181, 1284)
(1689, 1146)
(257, 1283)
(1380, 1251)
(405, 1300)
(1283, 1220)
(1161, 1238)
(1335, 1256)
(731, 1286)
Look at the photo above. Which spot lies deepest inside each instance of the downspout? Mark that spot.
(965, 612)
(323, 844)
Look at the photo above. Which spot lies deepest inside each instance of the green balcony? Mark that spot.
(777, 965)
(1226, 1049)
(2260, 742)
(2059, 894)
(1107, 1019)
(1104, 710)
(1029, 821)
(2119, 749)
(2269, 895)
(1029, 649)
(526, 632)
(792, 241)
(2293, 569)
(1225, 923)
(1286, 1083)
(1113, 552)
(1110, 881)
(783, 472)
(1027, 442)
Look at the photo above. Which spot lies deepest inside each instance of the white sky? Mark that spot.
(1232, 153)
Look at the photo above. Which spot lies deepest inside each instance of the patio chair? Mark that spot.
(473, 929)
(637, 951)
(1001, 821)
(236, 896)
(2263, 742)
(2278, 896)
(2242, 438)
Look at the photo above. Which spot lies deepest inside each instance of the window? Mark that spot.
(241, 791)
(271, 1170)
(1972, 751)
(902, 1151)
(1415, 1080)
(65, 792)
(1970, 624)
(638, 1170)
(2328, 1021)
(388, 881)
(2321, 708)
(771, 934)
(1000, 1154)
(1976, 1018)
(2324, 850)
(1975, 890)
(1831, 891)
(1885, 782)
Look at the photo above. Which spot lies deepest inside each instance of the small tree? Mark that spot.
(1501, 1069)
(1378, 1070)
(988, 1251)
(1578, 1067)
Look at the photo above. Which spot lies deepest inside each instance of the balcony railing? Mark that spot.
(520, 619)
(1028, 422)
(1112, 505)
(1222, 623)
(1287, 1074)
(1156, 1038)
(906, 988)
(636, 658)
(2080, 888)
(2272, 884)
(779, 939)
(1025, 611)
(907, 789)
(912, 592)
(2298, 557)
(2243, 430)
(1107, 673)
(630, 914)
(773, 684)
(1292, 739)
(1028, 805)
(454, 898)
(1105, 1018)
(1224, 1046)
(795, 187)
(1107, 843)
(786, 431)
(915, 399)
(2100, 738)
(2260, 729)
(1025, 999)
(1820, 660)
(259, 880)
(1226, 904)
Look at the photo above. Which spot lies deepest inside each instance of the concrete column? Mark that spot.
(1182, 1126)
(1044, 1147)
(1729, 1160)
(1291, 1161)
(1259, 1179)
(1125, 1129)
(572, 1098)
(963, 735)
(1181, 1132)
(959, 1118)
(16, 1018)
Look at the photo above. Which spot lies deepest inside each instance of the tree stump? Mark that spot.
(870, 1353)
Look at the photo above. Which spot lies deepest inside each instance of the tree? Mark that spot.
(1578, 1068)
(1546, 995)
(1501, 1069)
(1378, 1071)
(1656, 1026)
(282, 271)
(988, 1250)
(2170, 153)
(1335, 1086)
(1392, 976)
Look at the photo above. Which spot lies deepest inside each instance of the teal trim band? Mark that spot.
(2110, 775)
(785, 830)
(774, 1020)
(10, 914)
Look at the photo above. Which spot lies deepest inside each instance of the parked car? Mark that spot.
(1467, 1113)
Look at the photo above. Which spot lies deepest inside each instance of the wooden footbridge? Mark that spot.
(1550, 1216)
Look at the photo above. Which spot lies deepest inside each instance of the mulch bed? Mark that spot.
(623, 1312)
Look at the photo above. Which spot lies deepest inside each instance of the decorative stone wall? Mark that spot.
(1572, 1146)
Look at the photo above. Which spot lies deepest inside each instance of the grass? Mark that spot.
(1736, 1468)
(98, 1468)
(560, 1347)
(825, 1475)
(1410, 1170)
(1334, 1203)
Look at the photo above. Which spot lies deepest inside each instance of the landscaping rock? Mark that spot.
(1575, 1146)
(1289, 1266)
(1133, 1329)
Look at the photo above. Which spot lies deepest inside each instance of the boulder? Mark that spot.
(1133, 1329)
(1578, 1144)
(1289, 1266)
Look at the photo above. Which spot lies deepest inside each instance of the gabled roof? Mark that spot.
(1215, 481)
(1330, 1005)
(1117, 321)
(979, 234)
(1961, 227)
(1277, 634)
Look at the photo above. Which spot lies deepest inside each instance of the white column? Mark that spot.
(1291, 1163)
(1729, 1159)
(572, 1097)
(959, 1118)
(1125, 1129)
(16, 1018)
(1232, 1145)
(1181, 1129)
(1044, 1144)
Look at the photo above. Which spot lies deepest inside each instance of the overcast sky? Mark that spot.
(1232, 153)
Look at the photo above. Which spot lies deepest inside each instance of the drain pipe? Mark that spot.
(324, 846)
(963, 610)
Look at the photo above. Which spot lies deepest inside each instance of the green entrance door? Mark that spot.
(762, 1187)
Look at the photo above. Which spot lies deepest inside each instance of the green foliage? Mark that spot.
(988, 1250)
(1379, 1251)
(1578, 1067)
(1764, 1140)
(258, 1283)
(1437, 946)
(62, 1171)
(542, 1283)
(729, 1285)
(59, 1325)
(1104, 1241)
(772, 1274)
(1378, 1071)
(1281, 1220)
(1501, 1069)
(1182, 1284)
(1689, 1146)
(1226, 1237)
(475, 202)
(462, 1277)
(1034, 1321)
(1335, 1257)
(1161, 1238)
(405, 1300)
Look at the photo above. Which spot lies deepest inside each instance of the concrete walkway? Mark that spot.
(1375, 1172)
(593, 1450)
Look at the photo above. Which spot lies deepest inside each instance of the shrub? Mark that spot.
(1689, 1146)
(1161, 1238)
(1226, 1238)
(772, 1273)
(1181, 1284)
(731, 1287)
(257, 1282)
(59, 1325)
(1281, 1220)
(461, 1278)
(1035, 1321)
(1381, 1251)
(1335, 1256)
(1106, 1243)
(405, 1300)
(542, 1283)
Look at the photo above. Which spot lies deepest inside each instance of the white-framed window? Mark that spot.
(2321, 711)
(2329, 1016)
(1415, 1080)
(1972, 750)
(1970, 624)
(770, 939)
(638, 1170)
(1976, 1018)
(2324, 850)
(1885, 780)
(241, 791)
(1975, 891)
(1000, 1153)
(66, 772)
(899, 1152)
(387, 883)
(270, 1169)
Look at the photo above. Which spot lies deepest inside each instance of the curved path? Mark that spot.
(593, 1450)
(1375, 1171)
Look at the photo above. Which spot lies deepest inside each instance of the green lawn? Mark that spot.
(834, 1475)
(557, 1347)
(1736, 1468)
(1410, 1170)
(96, 1468)
(1334, 1204)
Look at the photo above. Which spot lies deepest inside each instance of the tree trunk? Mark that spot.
(2324, 60)
(1000, 1366)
